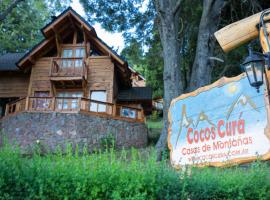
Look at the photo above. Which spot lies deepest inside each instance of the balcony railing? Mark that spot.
(68, 67)
(74, 105)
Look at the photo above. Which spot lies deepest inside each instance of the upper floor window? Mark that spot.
(76, 52)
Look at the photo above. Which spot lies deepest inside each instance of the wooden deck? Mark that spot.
(75, 105)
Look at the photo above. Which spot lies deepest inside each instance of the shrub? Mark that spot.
(122, 175)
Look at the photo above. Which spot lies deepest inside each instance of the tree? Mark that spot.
(168, 16)
(8, 9)
(20, 31)
(128, 15)
(149, 64)
(185, 29)
(202, 68)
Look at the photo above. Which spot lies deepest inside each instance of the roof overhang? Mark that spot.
(69, 17)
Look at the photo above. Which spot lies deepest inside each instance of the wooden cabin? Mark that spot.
(72, 70)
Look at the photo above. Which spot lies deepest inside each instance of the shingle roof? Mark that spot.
(135, 94)
(8, 61)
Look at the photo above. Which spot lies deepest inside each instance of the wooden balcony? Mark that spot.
(68, 69)
(75, 105)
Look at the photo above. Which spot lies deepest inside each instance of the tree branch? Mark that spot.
(177, 7)
(5, 13)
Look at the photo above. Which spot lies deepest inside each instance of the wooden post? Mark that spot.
(80, 104)
(53, 104)
(27, 104)
(114, 110)
(7, 110)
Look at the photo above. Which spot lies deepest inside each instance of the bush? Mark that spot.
(115, 175)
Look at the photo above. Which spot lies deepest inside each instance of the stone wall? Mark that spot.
(50, 130)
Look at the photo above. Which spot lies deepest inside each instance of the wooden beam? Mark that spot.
(263, 38)
(71, 21)
(32, 61)
(99, 43)
(85, 42)
(75, 36)
(58, 41)
(41, 45)
(238, 33)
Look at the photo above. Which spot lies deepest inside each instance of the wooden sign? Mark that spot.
(238, 33)
(221, 124)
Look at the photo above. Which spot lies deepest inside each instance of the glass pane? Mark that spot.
(127, 112)
(41, 103)
(79, 53)
(41, 94)
(67, 53)
(93, 107)
(258, 71)
(249, 71)
(98, 96)
(68, 103)
(78, 63)
(101, 108)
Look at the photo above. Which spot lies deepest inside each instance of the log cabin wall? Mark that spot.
(40, 76)
(101, 76)
(115, 86)
(13, 84)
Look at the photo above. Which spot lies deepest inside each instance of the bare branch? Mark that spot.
(5, 13)
(177, 7)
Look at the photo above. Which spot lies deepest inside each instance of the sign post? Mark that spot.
(221, 124)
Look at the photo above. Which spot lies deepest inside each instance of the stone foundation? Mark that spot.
(50, 130)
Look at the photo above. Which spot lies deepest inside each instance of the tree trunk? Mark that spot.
(168, 13)
(202, 69)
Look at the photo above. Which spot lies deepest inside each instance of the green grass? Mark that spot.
(128, 175)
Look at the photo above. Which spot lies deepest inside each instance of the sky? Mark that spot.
(114, 40)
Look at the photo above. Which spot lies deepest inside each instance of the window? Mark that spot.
(67, 53)
(98, 96)
(68, 100)
(77, 52)
(41, 102)
(127, 112)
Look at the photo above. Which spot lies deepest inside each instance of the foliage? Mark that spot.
(134, 17)
(110, 175)
(20, 31)
(108, 141)
(149, 64)
(143, 47)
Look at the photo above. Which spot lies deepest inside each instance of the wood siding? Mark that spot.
(13, 84)
(40, 76)
(101, 75)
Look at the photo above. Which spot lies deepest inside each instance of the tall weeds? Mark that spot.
(122, 175)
